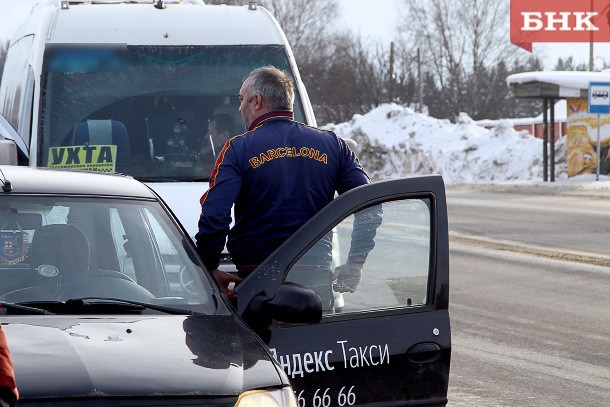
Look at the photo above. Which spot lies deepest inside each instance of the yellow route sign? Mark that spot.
(85, 158)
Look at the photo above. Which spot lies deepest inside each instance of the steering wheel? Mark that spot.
(112, 285)
(187, 282)
(35, 293)
(110, 273)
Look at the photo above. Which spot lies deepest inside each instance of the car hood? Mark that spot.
(76, 356)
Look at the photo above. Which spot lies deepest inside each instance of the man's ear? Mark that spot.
(259, 102)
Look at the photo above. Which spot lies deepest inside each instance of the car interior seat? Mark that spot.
(103, 132)
(59, 252)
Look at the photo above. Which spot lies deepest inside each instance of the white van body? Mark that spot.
(76, 71)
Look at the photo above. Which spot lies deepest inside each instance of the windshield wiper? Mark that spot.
(60, 307)
(86, 301)
(24, 308)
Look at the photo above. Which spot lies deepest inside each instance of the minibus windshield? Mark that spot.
(157, 113)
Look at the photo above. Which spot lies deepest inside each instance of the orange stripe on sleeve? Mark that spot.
(214, 174)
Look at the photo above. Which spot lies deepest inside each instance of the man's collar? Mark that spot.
(277, 114)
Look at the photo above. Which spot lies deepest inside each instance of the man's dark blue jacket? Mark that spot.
(279, 174)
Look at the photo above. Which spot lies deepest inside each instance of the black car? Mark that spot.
(105, 302)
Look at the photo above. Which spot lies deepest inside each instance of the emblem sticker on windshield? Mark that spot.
(14, 247)
(47, 270)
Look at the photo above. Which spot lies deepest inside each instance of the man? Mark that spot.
(278, 174)
(8, 389)
(220, 129)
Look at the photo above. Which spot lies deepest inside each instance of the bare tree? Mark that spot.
(342, 79)
(460, 41)
(310, 30)
(569, 65)
(340, 73)
(307, 24)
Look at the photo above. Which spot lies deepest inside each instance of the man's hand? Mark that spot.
(224, 279)
(348, 277)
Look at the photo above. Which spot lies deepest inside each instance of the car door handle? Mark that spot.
(425, 352)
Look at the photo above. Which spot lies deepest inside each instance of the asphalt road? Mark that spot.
(568, 222)
(530, 327)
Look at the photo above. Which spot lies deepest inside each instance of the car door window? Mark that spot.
(397, 267)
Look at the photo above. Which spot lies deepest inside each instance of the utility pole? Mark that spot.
(420, 97)
(591, 67)
(391, 74)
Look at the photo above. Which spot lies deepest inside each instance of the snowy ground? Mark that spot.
(395, 141)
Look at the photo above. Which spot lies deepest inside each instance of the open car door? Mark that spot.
(389, 342)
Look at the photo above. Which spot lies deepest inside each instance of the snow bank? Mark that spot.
(395, 142)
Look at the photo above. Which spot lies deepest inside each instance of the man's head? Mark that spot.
(223, 123)
(264, 90)
(222, 127)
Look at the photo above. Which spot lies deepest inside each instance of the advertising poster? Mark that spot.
(582, 139)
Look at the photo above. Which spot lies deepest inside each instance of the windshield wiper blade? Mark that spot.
(25, 308)
(114, 301)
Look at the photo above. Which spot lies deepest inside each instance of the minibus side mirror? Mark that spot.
(8, 152)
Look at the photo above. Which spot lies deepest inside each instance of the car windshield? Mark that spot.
(62, 248)
(158, 113)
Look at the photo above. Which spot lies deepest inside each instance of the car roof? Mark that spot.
(26, 180)
(144, 24)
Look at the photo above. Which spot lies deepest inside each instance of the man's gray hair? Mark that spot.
(274, 85)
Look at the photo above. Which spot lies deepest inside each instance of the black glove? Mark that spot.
(347, 277)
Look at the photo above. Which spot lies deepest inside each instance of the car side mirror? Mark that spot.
(8, 152)
(290, 303)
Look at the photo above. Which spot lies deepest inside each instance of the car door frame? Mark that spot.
(433, 318)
